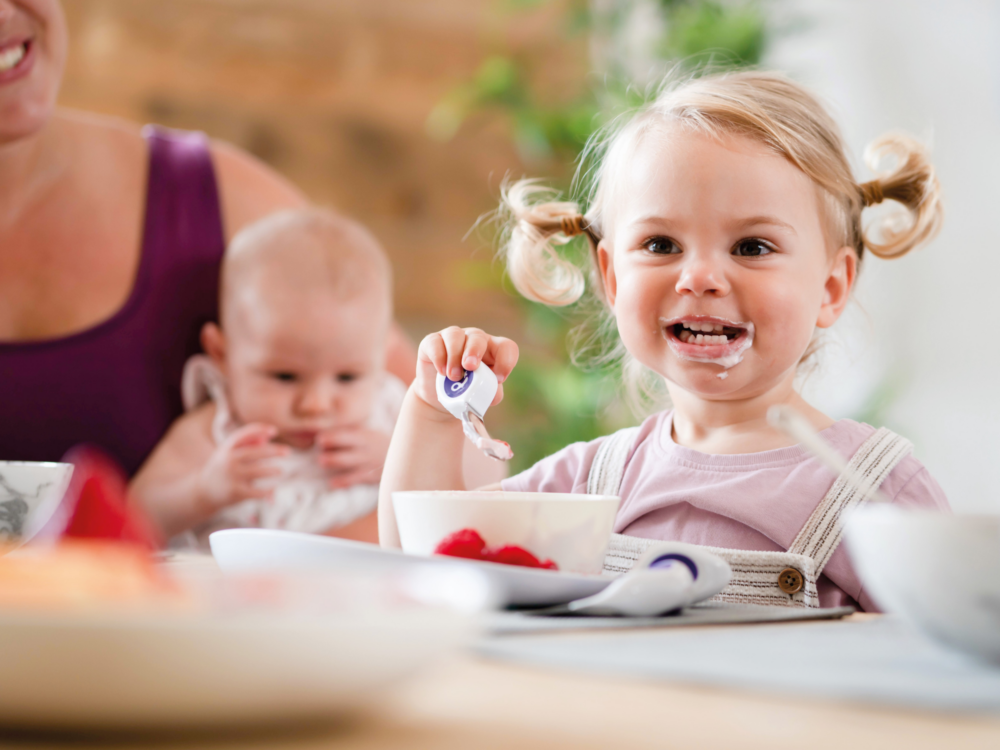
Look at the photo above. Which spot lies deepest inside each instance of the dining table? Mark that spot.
(473, 701)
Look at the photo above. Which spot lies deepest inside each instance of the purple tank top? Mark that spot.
(117, 385)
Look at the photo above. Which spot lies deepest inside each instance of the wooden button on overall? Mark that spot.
(790, 581)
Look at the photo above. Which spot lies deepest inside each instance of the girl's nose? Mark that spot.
(701, 275)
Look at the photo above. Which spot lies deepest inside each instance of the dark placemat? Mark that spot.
(510, 623)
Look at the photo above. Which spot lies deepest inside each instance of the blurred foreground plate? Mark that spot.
(256, 659)
(241, 550)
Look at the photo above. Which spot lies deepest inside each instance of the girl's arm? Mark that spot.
(187, 479)
(427, 445)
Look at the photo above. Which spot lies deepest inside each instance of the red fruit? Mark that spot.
(97, 505)
(464, 543)
(469, 544)
(511, 554)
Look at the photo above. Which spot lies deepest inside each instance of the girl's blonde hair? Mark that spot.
(765, 107)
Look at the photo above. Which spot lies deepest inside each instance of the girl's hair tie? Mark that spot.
(871, 193)
(572, 225)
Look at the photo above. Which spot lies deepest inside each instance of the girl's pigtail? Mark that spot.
(912, 183)
(536, 228)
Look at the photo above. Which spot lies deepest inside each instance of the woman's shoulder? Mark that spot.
(249, 189)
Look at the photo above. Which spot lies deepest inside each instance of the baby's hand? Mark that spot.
(231, 473)
(453, 350)
(353, 455)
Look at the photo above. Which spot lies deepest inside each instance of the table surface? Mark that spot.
(471, 703)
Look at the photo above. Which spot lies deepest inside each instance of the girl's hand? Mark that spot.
(231, 474)
(353, 455)
(453, 350)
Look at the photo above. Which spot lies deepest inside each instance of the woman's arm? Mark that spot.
(426, 451)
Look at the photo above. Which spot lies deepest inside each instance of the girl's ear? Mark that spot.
(607, 267)
(213, 341)
(838, 286)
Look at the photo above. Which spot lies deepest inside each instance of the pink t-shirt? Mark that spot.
(748, 501)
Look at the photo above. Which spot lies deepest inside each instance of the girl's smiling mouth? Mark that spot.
(700, 338)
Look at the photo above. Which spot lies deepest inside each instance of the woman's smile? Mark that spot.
(16, 59)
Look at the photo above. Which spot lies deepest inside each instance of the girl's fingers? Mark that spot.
(432, 349)
(476, 344)
(454, 342)
(501, 356)
(454, 350)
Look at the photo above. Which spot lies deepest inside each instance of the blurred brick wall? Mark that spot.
(334, 94)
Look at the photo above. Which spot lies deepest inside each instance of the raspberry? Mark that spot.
(464, 543)
(469, 544)
(511, 554)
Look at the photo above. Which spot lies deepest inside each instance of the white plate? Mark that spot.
(240, 550)
(77, 671)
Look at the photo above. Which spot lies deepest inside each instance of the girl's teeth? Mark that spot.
(690, 338)
(703, 327)
(11, 57)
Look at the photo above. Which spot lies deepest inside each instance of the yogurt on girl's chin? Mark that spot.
(725, 355)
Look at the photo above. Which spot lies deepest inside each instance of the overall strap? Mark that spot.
(608, 468)
(871, 464)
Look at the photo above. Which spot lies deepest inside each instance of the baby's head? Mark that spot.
(305, 308)
(725, 227)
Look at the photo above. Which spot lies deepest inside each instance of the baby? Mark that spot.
(289, 416)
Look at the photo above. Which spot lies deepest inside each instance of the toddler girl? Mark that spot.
(725, 228)
(289, 415)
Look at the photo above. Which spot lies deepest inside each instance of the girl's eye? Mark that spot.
(285, 377)
(752, 249)
(661, 246)
(347, 377)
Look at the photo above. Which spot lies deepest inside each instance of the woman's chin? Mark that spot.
(23, 117)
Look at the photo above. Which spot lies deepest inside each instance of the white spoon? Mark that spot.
(667, 577)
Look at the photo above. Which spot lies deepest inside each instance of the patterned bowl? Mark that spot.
(30, 492)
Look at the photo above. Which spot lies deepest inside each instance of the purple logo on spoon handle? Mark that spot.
(454, 389)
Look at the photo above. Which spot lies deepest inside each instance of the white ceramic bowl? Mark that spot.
(30, 492)
(938, 571)
(572, 530)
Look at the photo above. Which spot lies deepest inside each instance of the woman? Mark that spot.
(110, 242)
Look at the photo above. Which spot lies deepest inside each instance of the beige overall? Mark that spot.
(775, 578)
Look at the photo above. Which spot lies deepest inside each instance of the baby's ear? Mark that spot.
(213, 341)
